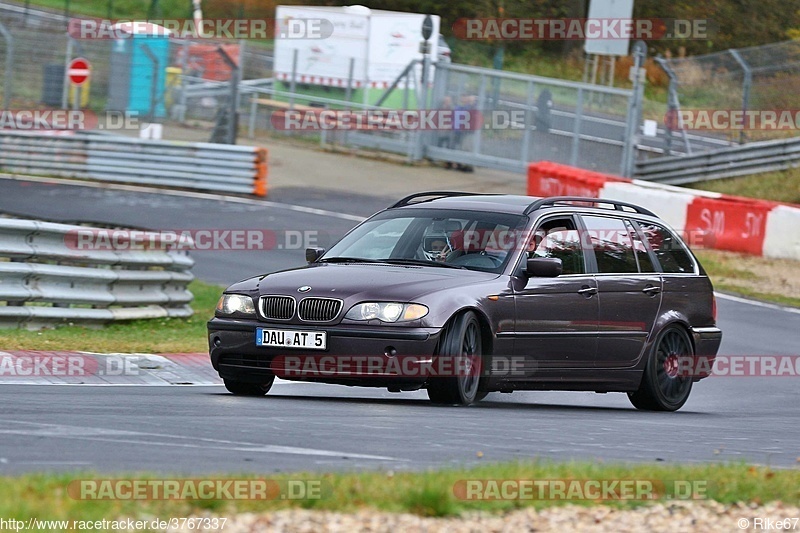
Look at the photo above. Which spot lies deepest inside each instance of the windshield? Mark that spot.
(474, 240)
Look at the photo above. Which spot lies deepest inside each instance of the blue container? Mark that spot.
(132, 72)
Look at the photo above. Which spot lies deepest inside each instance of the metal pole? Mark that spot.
(153, 83)
(634, 111)
(746, 83)
(476, 146)
(8, 85)
(181, 112)
(234, 95)
(674, 106)
(422, 104)
(576, 129)
(526, 135)
(76, 97)
(251, 128)
(348, 93)
(293, 82)
(65, 83)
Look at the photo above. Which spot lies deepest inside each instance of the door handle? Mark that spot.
(587, 291)
(651, 290)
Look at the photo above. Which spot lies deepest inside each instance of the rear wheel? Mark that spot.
(462, 344)
(241, 388)
(662, 387)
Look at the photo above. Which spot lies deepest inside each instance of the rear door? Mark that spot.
(629, 290)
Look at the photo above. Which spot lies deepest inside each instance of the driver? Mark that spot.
(436, 243)
(436, 248)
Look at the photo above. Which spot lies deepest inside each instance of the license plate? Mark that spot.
(285, 338)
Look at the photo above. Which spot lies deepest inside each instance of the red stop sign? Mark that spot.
(78, 71)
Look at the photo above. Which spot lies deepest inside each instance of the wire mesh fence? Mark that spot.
(744, 79)
(523, 118)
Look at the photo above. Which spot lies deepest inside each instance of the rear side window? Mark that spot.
(668, 250)
(642, 255)
(612, 245)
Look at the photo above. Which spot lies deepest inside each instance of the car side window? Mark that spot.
(667, 249)
(642, 255)
(612, 244)
(559, 238)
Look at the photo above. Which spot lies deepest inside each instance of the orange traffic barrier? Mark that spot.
(260, 181)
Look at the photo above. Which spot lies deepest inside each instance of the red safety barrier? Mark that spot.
(726, 223)
(551, 179)
(730, 223)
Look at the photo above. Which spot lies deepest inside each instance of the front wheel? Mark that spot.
(462, 343)
(241, 388)
(663, 388)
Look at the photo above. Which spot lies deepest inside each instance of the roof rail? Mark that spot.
(435, 194)
(553, 200)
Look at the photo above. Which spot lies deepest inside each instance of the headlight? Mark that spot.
(386, 311)
(235, 303)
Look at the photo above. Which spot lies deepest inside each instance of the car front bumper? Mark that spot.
(235, 355)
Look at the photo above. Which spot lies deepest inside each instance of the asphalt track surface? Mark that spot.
(202, 429)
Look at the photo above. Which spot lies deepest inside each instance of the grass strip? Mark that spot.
(429, 493)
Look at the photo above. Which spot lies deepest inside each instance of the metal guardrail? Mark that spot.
(47, 279)
(112, 158)
(752, 158)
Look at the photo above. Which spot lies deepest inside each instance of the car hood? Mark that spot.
(362, 281)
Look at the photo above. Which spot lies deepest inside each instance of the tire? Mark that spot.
(661, 388)
(461, 341)
(240, 388)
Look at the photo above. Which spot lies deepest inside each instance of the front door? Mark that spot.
(556, 318)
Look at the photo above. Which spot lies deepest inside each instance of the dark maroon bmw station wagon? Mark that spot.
(466, 294)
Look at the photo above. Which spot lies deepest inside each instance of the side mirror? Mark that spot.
(544, 267)
(312, 254)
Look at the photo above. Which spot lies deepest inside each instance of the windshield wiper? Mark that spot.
(340, 259)
(421, 262)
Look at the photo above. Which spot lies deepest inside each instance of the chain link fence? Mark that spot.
(746, 79)
(524, 118)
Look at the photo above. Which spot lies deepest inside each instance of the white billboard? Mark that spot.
(609, 10)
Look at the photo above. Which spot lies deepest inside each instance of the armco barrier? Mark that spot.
(44, 280)
(112, 158)
(707, 219)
